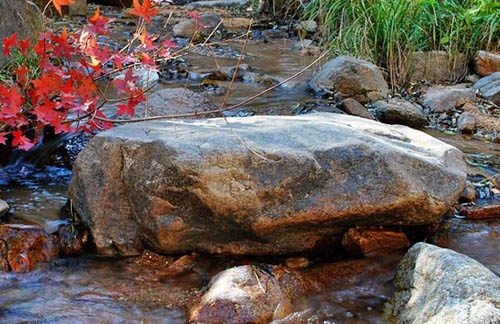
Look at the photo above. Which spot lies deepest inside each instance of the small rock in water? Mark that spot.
(73, 239)
(469, 193)
(4, 264)
(180, 266)
(4, 208)
(361, 241)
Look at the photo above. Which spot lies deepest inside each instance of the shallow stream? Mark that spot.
(95, 290)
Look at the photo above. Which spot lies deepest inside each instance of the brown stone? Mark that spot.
(486, 63)
(73, 239)
(361, 241)
(28, 246)
(180, 266)
(481, 212)
(352, 107)
(4, 263)
(437, 67)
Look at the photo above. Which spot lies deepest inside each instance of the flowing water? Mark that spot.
(96, 290)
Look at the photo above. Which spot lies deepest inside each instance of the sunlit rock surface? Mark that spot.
(258, 185)
(435, 285)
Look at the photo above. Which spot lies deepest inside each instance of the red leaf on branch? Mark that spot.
(144, 11)
(21, 141)
(8, 42)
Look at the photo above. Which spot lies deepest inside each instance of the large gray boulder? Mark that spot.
(349, 77)
(435, 285)
(258, 185)
(21, 17)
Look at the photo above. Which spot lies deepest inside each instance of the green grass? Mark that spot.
(386, 31)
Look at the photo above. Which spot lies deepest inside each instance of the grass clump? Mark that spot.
(387, 31)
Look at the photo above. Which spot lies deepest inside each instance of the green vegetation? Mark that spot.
(386, 31)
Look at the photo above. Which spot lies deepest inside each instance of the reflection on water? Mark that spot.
(36, 195)
(93, 291)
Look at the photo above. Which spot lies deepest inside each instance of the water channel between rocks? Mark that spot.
(96, 290)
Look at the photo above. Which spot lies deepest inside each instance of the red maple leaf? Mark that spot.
(99, 23)
(144, 11)
(129, 108)
(59, 3)
(146, 41)
(11, 102)
(21, 141)
(21, 75)
(8, 42)
(24, 45)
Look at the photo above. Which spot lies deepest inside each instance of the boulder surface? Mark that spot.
(435, 285)
(258, 185)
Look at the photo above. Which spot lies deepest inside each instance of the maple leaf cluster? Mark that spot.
(62, 80)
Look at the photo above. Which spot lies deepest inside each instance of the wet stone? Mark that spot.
(4, 264)
(28, 246)
(4, 208)
(361, 241)
(73, 239)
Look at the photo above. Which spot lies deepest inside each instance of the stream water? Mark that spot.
(96, 290)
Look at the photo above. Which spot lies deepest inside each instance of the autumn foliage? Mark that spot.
(62, 80)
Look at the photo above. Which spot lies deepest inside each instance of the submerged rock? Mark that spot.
(258, 185)
(435, 285)
(349, 77)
